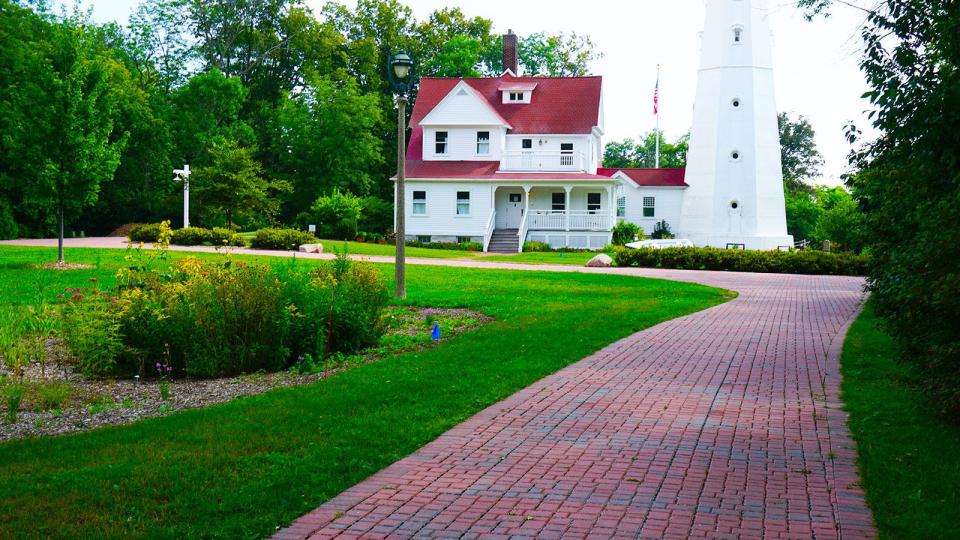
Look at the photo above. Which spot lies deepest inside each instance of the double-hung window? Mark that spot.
(558, 202)
(441, 143)
(483, 143)
(593, 202)
(463, 203)
(621, 206)
(419, 203)
(649, 207)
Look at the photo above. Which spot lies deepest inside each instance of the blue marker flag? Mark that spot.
(436, 332)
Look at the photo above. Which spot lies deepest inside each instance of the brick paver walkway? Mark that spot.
(722, 424)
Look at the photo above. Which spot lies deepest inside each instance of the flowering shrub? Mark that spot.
(213, 319)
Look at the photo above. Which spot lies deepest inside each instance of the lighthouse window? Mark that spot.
(735, 155)
(734, 205)
(736, 103)
(738, 35)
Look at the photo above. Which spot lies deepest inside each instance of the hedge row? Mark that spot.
(190, 236)
(282, 239)
(775, 262)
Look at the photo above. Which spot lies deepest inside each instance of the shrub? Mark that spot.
(226, 237)
(145, 232)
(462, 246)
(625, 232)
(376, 216)
(190, 236)
(92, 331)
(785, 262)
(337, 215)
(8, 227)
(282, 239)
(536, 247)
(661, 231)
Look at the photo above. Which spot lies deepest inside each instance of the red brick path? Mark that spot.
(721, 424)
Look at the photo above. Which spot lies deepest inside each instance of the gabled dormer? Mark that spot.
(464, 126)
(517, 93)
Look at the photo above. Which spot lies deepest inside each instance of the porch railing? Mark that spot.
(571, 220)
(514, 160)
(488, 232)
(522, 232)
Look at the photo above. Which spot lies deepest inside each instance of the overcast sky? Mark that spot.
(815, 62)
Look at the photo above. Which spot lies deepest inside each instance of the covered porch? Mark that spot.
(559, 214)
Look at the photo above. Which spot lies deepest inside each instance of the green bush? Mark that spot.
(91, 331)
(145, 232)
(536, 247)
(8, 227)
(226, 237)
(625, 232)
(462, 246)
(661, 231)
(377, 215)
(190, 236)
(783, 262)
(337, 215)
(282, 239)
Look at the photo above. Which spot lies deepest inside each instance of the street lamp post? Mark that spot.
(183, 175)
(400, 72)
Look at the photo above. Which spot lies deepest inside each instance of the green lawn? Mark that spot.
(366, 248)
(243, 468)
(909, 456)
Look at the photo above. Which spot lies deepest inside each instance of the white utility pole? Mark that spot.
(183, 175)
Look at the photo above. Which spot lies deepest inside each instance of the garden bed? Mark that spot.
(58, 400)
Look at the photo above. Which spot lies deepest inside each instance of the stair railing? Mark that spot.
(488, 232)
(522, 232)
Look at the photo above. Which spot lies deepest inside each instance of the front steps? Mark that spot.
(504, 241)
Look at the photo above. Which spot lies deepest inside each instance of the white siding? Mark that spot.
(668, 202)
(462, 143)
(441, 218)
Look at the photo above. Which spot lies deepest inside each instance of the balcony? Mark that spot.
(570, 220)
(530, 161)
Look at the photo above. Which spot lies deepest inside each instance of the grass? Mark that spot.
(388, 250)
(909, 456)
(243, 468)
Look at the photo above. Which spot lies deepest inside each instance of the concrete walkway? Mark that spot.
(722, 424)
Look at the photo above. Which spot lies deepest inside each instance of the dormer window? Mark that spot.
(517, 92)
(441, 143)
(517, 96)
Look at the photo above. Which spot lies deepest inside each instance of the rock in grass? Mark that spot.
(600, 261)
(311, 248)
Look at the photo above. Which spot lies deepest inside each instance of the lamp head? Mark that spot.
(400, 71)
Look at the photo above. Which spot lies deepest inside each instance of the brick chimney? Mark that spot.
(510, 52)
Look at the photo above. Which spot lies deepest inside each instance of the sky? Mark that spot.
(815, 63)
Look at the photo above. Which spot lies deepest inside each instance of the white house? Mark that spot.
(505, 160)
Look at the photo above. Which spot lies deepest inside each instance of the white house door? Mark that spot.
(513, 210)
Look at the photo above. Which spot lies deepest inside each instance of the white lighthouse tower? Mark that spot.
(733, 167)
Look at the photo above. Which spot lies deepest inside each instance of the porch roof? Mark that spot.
(487, 170)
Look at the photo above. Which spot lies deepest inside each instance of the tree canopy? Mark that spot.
(630, 153)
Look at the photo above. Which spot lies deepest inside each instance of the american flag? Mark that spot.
(656, 96)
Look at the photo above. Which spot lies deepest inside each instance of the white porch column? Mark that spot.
(567, 204)
(611, 209)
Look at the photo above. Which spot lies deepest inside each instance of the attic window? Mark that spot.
(462, 92)
(517, 96)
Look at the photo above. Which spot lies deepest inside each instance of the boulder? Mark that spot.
(600, 261)
(311, 248)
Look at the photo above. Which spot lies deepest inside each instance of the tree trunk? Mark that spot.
(60, 235)
(400, 209)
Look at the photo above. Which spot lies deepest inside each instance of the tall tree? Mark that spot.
(62, 119)
(546, 55)
(327, 140)
(632, 154)
(799, 156)
(206, 108)
(908, 181)
(233, 183)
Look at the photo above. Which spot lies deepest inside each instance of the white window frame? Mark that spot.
(445, 142)
(419, 205)
(650, 203)
(622, 206)
(566, 154)
(558, 206)
(595, 206)
(463, 204)
(483, 146)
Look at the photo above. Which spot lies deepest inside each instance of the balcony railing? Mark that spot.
(514, 160)
(571, 220)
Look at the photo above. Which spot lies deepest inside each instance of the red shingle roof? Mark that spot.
(484, 170)
(567, 105)
(650, 177)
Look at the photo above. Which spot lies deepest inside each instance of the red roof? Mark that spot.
(650, 177)
(484, 170)
(564, 105)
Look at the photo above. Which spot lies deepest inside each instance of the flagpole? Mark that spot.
(657, 113)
